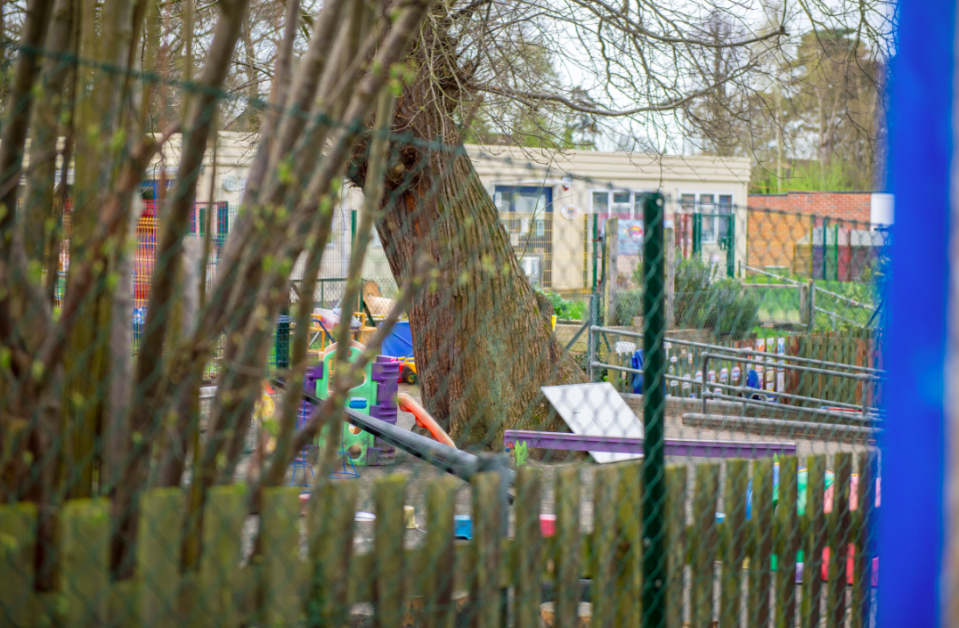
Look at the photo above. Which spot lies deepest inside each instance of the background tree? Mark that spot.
(812, 114)
(484, 349)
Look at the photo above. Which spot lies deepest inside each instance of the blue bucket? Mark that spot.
(463, 527)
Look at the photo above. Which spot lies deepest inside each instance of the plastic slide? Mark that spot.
(423, 419)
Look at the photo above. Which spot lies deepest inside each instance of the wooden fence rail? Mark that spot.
(309, 575)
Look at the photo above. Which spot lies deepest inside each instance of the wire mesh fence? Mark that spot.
(376, 388)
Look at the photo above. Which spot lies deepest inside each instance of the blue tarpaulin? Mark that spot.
(399, 344)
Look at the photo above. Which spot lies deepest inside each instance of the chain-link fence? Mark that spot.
(351, 379)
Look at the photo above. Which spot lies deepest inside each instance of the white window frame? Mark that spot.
(609, 205)
(698, 208)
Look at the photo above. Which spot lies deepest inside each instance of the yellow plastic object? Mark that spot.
(263, 413)
(409, 365)
(554, 322)
(365, 334)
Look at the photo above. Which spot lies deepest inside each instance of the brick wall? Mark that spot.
(776, 222)
(851, 206)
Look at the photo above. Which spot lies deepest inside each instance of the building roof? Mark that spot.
(606, 166)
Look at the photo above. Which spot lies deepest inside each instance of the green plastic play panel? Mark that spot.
(355, 442)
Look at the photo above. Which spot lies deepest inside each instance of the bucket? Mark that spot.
(463, 527)
(547, 525)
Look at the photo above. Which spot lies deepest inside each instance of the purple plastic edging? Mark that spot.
(674, 446)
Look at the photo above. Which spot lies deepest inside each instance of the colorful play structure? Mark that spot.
(399, 344)
(424, 420)
(375, 396)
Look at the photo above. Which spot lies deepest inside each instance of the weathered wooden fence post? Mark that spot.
(611, 283)
(670, 276)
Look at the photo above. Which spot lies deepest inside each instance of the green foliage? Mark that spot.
(733, 311)
(638, 273)
(692, 281)
(565, 309)
(836, 176)
(830, 82)
(629, 304)
(719, 305)
(868, 291)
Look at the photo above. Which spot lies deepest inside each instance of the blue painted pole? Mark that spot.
(910, 527)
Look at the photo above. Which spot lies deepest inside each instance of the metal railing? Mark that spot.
(793, 284)
(773, 275)
(832, 315)
(846, 300)
(860, 374)
(745, 395)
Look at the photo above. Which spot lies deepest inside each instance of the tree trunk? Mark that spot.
(481, 346)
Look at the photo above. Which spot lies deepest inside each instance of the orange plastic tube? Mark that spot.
(423, 419)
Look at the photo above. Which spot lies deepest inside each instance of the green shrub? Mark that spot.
(629, 304)
(565, 309)
(691, 293)
(735, 312)
(719, 305)
(638, 273)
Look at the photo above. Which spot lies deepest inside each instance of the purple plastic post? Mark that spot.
(673, 446)
(385, 372)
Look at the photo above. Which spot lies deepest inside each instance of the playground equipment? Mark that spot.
(408, 373)
(463, 527)
(423, 419)
(453, 461)
(325, 321)
(374, 396)
(399, 344)
(605, 413)
(605, 426)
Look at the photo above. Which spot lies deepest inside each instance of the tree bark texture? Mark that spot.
(483, 351)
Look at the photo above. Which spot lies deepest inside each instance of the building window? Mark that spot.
(622, 203)
(524, 209)
(600, 203)
(150, 189)
(526, 213)
(716, 210)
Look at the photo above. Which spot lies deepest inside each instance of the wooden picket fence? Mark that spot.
(314, 579)
(859, 347)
